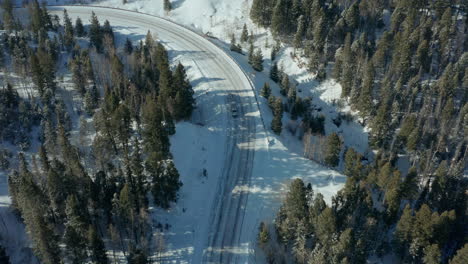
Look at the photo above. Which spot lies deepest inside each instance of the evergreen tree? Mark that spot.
(8, 17)
(261, 12)
(282, 20)
(332, 154)
(245, 34)
(128, 48)
(277, 123)
(251, 55)
(68, 36)
(79, 28)
(353, 165)
(165, 184)
(106, 30)
(432, 254)
(404, 229)
(167, 5)
(326, 226)
(155, 137)
(95, 32)
(184, 101)
(266, 90)
(257, 62)
(365, 104)
(461, 256)
(91, 100)
(96, 247)
(284, 85)
(347, 72)
(263, 234)
(274, 73)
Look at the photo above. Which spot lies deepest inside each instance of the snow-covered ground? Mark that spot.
(278, 159)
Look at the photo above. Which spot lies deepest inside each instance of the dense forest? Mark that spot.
(102, 159)
(403, 68)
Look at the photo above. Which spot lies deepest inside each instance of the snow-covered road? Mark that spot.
(221, 76)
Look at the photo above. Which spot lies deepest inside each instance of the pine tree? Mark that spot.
(393, 195)
(261, 12)
(365, 104)
(347, 72)
(79, 28)
(274, 74)
(91, 100)
(155, 137)
(353, 165)
(299, 32)
(96, 247)
(282, 20)
(277, 123)
(167, 5)
(95, 33)
(68, 36)
(8, 17)
(257, 62)
(184, 101)
(263, 234)
(128, 48)
(461, 256)
(404, 228)
(332, 154)
(285, 85)
(432, 254)
(251, 55)
(165, 184)
(245, 34)
(326, 226)
(410, 184)
(266, 90)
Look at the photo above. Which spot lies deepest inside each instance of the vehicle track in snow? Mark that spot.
(222, 241)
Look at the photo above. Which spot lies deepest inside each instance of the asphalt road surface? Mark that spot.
(223, 241)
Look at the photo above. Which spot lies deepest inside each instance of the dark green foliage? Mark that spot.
(266, 90)
(461, 256)
(285, 85)
(128, 48)
(282, 19)
(79, 28)
(68, 35)
(95, 33)
(333, 149)
(165, 184)
(234, 46)
(317, 124)
(8, 16)
(137, 256)
(261, 12)
(263, 234)
(96, 247)
(17, 118)
(167, 5)
(353, 165)
(4, 258)
(155, 137)
(91, 100)
(274, 73)
(257, 61)
(184, 102)
(277, 123)
(245, 34)
(293, 210)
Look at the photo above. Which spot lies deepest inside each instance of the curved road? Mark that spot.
(222, 243)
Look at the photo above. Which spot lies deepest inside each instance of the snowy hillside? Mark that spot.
(278, 159)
